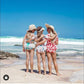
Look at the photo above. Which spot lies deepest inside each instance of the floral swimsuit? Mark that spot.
(41, 48)
(51, 47)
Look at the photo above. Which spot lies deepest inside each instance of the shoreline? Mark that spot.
(11, 61)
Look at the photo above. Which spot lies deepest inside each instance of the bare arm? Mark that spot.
(53, 37)
(24, 40)
(23, 43)
(38, 39)
(29, 40)
(40, 43)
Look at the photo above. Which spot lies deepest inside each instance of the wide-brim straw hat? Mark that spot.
(32, 27)
(50, 26)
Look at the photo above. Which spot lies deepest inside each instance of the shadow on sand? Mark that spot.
(35, 71)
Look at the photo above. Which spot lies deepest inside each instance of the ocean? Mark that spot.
(66, 47)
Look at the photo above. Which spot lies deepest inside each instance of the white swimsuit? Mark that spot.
(41, 48)
(30, 46)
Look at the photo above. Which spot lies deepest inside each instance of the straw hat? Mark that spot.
(32, 27)
(50, 26)
(42, 29)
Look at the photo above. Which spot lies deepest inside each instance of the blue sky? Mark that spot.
(65, 15)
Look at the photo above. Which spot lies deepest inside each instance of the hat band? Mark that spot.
(41, 30)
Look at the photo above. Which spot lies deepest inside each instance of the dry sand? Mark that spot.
(71, 70)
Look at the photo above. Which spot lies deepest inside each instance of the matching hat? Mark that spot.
(39, 29)
(50, 26)
(32, 27)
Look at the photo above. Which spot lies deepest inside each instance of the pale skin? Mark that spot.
(29, 54)
(52, 57)
(42, 55)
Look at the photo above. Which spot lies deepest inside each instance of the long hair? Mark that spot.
(39, 33)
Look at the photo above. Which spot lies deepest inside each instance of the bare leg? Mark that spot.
(38, 62)
(27, 61)
(55, 63)
(44, 64)
(49, 62)
(31, 60)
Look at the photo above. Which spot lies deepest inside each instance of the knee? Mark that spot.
(31, 59)
(50, 65)
(44, 66)
(55, 62)
(31, 62)
(49, 61)
(38, 64)
(26, 62)
(43, 61)
(27, 59)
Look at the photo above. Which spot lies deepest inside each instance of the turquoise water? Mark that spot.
(66, 47)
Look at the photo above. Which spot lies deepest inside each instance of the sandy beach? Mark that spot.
(71, 69)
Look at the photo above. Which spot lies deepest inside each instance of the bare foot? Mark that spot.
(49, 73)
(58, 74)
(32, 72)
(44, 73)
(27, 70)
(39, 72)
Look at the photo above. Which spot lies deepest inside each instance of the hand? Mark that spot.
(49, 38)
(32, 35)
(28, 41)
(42, 36)
(36, 44)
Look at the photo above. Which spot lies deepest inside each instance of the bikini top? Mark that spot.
(29, 36)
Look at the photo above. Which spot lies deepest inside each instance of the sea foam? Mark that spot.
(61, 40)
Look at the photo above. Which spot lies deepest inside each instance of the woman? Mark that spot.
(40, 49)
(28, 46)
(51, 49)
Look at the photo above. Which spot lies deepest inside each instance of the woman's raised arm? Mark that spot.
(38, 39)
(40, 43)
(53, 37)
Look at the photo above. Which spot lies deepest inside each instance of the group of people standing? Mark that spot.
(43, 44)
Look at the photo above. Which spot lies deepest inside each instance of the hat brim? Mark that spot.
(31, 30)
(41, 30)
(48, 26)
